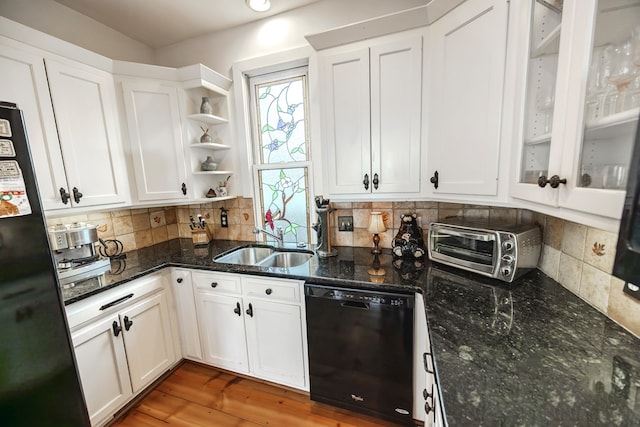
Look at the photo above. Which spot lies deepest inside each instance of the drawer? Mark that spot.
(217, 282)
(113, 300)
(272, 289)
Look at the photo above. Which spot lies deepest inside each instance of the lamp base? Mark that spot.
(376, 271)
(376, 241)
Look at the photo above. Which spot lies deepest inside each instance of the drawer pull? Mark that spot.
(250, 310)
(116, 302)
(237, 309)
(179, 280)
(214, 284)
(268, 291)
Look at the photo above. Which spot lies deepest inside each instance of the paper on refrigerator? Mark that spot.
(13, 194)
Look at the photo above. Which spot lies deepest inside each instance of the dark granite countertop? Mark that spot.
(529, 353)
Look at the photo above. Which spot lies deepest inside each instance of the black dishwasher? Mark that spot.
(361, 350)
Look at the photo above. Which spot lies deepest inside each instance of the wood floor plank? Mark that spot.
(196, 395)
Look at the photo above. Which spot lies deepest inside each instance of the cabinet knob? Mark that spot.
(434, 180)
(64, 195)
(184, 189)
(77, 195)
(214, 284)
(250, 310)
(375, 181)
(365, 181)
(179, 280)
(554, 181)
(237, 309)
(268, 291)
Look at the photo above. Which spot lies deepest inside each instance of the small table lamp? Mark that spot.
(376, 225)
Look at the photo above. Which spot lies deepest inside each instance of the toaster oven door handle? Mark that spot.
(485, 237)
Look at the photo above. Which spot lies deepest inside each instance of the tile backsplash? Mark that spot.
(579, 257)
(140, 228)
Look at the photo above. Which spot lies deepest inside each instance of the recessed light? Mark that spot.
(259, 5)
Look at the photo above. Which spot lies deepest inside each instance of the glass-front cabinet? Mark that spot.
(581, 102)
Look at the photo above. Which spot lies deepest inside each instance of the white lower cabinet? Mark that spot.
(123, 341)
(427, 406)
(253, 325)
(183, 295)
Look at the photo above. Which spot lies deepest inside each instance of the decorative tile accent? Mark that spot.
(157, 219)
(600, 249)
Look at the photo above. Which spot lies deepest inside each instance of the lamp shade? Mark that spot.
(376, 223)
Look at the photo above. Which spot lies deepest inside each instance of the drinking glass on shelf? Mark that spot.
(544, 104)
(623, 72)
(598, 83)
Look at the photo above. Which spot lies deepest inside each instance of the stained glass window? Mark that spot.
(282, 153)
(281, 107)
(284, 201)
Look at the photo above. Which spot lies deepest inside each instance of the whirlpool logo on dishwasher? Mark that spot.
(357, 398)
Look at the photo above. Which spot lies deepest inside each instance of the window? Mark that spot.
(281, 152)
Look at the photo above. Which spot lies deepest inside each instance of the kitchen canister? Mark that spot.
(205, 107)
(209, 164)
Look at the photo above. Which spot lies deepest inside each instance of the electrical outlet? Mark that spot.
(345, 223)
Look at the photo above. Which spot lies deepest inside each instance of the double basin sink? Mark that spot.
(264, 256)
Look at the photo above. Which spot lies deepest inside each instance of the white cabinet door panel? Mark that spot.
(275, 340)
(467, 57)
(147, 338)
(102, 366)
(396, 91)
(347, 121)
(23, 81)
(155, 133)
(183, 293)
(221, 321)
(86, 116)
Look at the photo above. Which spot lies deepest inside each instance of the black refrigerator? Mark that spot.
(39, 384)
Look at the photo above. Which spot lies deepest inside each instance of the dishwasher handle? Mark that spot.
(355, 304)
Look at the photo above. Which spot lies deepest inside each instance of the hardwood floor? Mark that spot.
(197, 395)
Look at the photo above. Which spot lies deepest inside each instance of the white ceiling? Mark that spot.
(160, 23)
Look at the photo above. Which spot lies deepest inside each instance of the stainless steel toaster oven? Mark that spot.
(494, 249)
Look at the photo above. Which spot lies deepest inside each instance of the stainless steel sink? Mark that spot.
(247, 255)
(264, 256)
(286, 259)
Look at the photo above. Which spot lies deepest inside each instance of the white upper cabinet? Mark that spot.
(155, 137)
(371, 105)
(86, 115)
(23, 81)
(465, 62)
(581, 101)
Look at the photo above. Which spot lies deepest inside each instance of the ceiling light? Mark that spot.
(259, 5)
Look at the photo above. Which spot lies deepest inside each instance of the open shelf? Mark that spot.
(209, 119)
(210, 146)
(213, 173)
